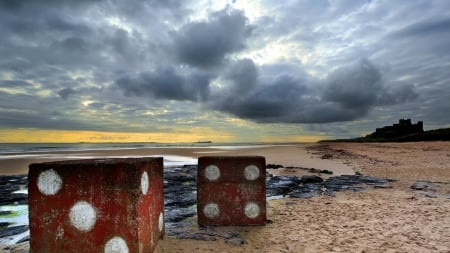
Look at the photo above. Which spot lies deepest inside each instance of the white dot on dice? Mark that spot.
(144, 183)
(161, 222)
(83, 216)
(252, 210)
(251, 172)
(211, 211)
(49, 182)
(116, 245)
(212, 172)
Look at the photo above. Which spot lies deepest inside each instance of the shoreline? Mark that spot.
(411, 215)
(294, 155)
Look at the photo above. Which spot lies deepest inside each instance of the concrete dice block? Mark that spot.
(231, 190)
(96, 205)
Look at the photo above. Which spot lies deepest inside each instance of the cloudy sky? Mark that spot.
(242, 70)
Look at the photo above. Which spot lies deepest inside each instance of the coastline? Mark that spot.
(411, 215)
(286, 154)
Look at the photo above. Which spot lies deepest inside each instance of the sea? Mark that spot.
(17, 148)
(8, 148)
(51, 150)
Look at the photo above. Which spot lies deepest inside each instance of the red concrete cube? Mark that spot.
(96, 205)
(231, 190)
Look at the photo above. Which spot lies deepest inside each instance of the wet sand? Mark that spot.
(398, 219)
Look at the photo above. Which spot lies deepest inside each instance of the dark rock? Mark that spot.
(433, 196)
(351, 182)
(281, 185)
(10, 184)
(329, 172)
(179, 227)
(273, 166)
(373, 180)
(236, 241)
(4, 213)
(422, 186)
(382, 186)
(4, 224)
(16, 198)
(9, 231)
(327, 156)
(311, 179)
(311, 186)
(312, 170)
(180, 197)
(307, 191)
(178, 214)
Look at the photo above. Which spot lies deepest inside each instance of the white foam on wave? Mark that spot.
(169, 160)
(176, 160)
(21, 191)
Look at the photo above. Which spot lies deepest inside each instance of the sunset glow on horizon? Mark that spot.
(61, 136)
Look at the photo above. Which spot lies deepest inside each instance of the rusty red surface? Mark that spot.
(231, 192)
(95, 205)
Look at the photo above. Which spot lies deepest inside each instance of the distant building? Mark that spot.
(404, 127)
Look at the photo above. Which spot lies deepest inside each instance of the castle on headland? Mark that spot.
(403, 131)
(404, 127)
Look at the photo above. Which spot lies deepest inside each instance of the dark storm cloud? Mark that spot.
(362, 86)
(102, 63)
(346, 94)
(165, 83)
(358, 87)
(66, 92)
(272, 102)
(242, 76)
(205, 44)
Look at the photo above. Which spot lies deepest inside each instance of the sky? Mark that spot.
(222, 71)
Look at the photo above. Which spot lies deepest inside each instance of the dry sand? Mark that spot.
(382, 220)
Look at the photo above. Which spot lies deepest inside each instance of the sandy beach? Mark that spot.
(397, 219)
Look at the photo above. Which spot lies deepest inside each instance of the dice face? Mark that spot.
(231, 190)
(108, 205)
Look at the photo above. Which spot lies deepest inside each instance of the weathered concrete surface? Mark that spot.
(231, 190)
(96, 205)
